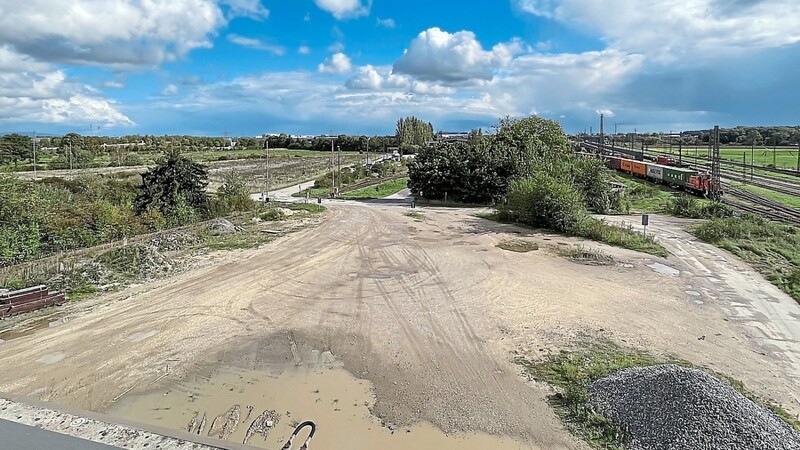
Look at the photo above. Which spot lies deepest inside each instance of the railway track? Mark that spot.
(779, 185)
(748, 201)
(756, 204)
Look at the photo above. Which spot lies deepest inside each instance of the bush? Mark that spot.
(273, 215)
(132, 159)
(544, 201)
(233, 195)
(691, 207)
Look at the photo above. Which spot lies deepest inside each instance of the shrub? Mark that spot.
(544, 201)
(691, 207)
(273, 215)
(132, 159)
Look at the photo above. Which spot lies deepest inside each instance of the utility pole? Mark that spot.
(602, 131)
(70, 154)
(744, 167)
(752, 158)
(798, 155)
(774, 155)
(715, 165)
(34, 156)
(333, 169)
(339, 167)
(266, 172)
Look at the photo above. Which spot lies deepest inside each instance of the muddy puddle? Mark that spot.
(31, 327)
(336, 401)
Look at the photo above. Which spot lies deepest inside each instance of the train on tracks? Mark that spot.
(690, 180)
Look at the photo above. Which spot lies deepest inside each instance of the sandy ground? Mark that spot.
(428, 310)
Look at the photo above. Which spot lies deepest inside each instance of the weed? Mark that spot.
(273, 215)
(625, 237)
(313, 208)
(416, 215)
(518, 246)
(585, 255)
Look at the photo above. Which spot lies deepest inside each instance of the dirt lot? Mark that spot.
(427, 309)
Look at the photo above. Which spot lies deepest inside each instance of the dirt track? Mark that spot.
(429, 311)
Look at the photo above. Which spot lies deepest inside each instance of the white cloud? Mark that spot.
(129, 33)
(424, 87)
(169, 90)
(336, 47)
(367, 78)
(247, 8)
(377, 78)
(344, 9)
(256, 44)
(436, 55)
(111, 84)
(667, 30)
(386, 23)
(36, 92)
(304, 50)
(339, 63)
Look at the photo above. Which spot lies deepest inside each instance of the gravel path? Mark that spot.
(672, 407)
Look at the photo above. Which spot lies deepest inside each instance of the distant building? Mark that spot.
(452, 136)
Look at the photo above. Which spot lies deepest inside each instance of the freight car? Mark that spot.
(698, 183)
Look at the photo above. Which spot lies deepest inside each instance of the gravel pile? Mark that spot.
(672, 407)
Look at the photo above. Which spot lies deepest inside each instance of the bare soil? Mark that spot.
(431, 313)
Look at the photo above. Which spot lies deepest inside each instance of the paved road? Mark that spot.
(14, 436)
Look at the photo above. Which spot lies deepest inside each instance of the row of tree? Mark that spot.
(769, 136)
(413, 132)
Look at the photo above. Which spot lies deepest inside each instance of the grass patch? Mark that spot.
(620, 236)
(643, 197)
(313, 208)
(272, 215)
(518, 246)
(788, 200)
(771, 248)
(416, 215)
(317, 192)
(571, 373)
(585, 255)
(600, 231)
(378, 191)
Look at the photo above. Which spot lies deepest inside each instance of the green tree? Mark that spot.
(15, 147)
(532, 138)
(175, 187)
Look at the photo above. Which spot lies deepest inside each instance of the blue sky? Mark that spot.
(248, 67)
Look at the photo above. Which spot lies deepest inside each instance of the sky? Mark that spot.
(248, 67)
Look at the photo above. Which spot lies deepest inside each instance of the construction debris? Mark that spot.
(262, 425)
